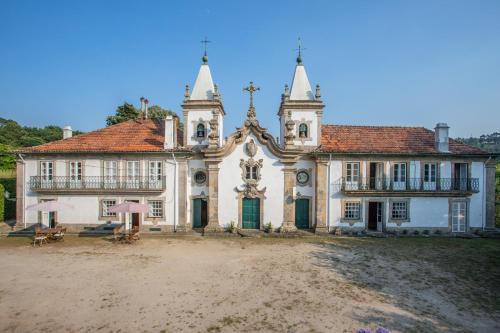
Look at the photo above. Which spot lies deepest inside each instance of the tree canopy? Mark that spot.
(128, 111)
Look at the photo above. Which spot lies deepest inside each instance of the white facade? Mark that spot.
(209, 182)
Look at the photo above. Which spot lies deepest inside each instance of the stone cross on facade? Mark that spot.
(251, 90)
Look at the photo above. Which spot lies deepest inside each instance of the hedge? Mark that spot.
(8, 208)
(2, 203)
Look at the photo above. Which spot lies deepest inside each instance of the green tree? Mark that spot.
(7, 160)
(128, 111)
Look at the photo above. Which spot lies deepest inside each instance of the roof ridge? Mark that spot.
(373, 126)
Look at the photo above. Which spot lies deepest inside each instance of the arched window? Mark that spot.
(303, 131)
(200, 131)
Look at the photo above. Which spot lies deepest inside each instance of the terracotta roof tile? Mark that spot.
(130, 136)
(385, 140)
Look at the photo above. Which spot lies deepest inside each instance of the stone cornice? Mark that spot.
(197, 104)
(301, 105)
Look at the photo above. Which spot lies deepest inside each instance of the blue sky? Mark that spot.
(411, 63)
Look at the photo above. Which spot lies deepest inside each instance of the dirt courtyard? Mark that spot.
(206, 284)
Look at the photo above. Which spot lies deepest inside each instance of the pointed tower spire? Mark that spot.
(204, 86)
(301, 88)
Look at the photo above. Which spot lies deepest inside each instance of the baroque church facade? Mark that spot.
(317, 177)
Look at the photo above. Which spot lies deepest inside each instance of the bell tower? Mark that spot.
(203, 110)
(300, 111)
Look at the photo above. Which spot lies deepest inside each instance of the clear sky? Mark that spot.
(411, 63)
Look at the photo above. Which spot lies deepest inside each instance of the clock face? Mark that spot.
(302, 177)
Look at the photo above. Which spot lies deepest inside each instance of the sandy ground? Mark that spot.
(234, 285)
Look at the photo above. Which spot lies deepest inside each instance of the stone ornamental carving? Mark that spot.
(290, 135)
(213, 137)
(251, 148)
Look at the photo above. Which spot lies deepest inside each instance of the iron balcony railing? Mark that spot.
(465, 185)
(96, 183)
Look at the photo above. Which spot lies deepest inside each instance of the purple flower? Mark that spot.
(364, 330)
(381, 329)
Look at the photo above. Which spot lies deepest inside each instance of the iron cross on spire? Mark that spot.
(300, 49)
(205, 42)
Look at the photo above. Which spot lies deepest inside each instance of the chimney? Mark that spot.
(170, 137)
(441, 137)
(146, 108)
(67, 132)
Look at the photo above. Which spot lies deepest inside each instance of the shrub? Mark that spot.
(2, 203)
(269, 227)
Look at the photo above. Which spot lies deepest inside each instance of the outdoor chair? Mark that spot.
(59, 234)
(39, 237)
(117, 233)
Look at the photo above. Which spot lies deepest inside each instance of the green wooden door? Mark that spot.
(302, 213)
(197, 213)
(251, 213)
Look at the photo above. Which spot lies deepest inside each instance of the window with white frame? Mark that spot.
(399, 210)
(458, 216)
(430, 172)
(110, 169)
(352, 171)
(155, 170)
(75, 171)
(132, 169)
(399, 174)
(155, 208)
(105, 205)
(352, 210)
(251, 172)
(46, 170)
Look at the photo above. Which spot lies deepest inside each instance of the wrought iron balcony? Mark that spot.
(410, 185)
(97, 184)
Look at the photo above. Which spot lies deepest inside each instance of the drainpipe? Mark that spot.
(24, 190)
(175, 190)
(484, 190)
(328, 195)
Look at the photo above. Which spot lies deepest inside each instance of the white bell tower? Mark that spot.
(200, 106)
(300, 112)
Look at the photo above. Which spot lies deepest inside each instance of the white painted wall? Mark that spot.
(230, 177)
(196, 116)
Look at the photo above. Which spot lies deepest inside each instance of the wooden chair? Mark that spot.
(117, 233)
(59, 234)
(134, 234)
(39, 237)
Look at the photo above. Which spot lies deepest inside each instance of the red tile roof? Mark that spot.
(130, 136)
(385, 140)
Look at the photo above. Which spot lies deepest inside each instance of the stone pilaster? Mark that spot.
(20, 183)
(490, 188)
(321, 186)
(183, 222)
(288, 200)
(213, 197)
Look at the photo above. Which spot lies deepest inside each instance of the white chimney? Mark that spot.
(67, 132)
(441, 137)
(146, 108)
(170, 136)
(142, 104)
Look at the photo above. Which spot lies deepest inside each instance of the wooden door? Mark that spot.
(302, 213)
(200, 213)
(251, 213)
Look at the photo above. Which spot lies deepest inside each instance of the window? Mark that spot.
(200, 131)
(352, 172)
(132, 169)
(155, 170)
(430, 172)
(251, 172)
(302, 177)
(110, 169)
(399, 172)
(352, 210)
(75, 171)
(105, 205)
(46, 170)
(200, 177)
(303, 133)
(458, 216)
(399, 210)
(155, 208)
